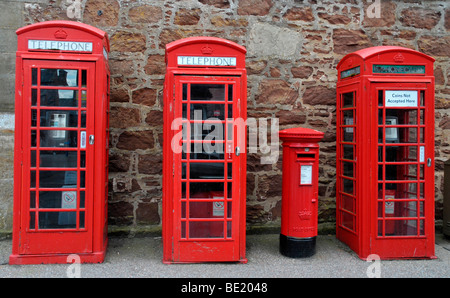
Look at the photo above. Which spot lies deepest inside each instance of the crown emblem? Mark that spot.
(399, 58)
(207, 50)
(60, 34)
(305, 214)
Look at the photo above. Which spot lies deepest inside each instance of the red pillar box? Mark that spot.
(300, 191)
(61, 143)
(204, 160)
(385, 153)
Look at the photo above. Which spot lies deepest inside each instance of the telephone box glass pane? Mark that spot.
(210, 151)
(58, 159)
(213, 92)
(205, 190)
(59, 138)
(348, 186)
(206, 229)
(348, 100)
(54, 118)
(348, 203)
(57, 179)
(32, 199)
(206, 132)
(32, 220)
(206, 170)
(34, 97)
(83, 98)
(59, 98)
(207, 112)
(201, 209)
(32, 158)
(347, 220)
(58, 199)
(348, 169)
(348, 152)
(58, 220)
(34, 79)
(59, 77)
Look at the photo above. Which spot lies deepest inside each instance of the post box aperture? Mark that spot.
(204, 170)
(61, 143)
(385, 153)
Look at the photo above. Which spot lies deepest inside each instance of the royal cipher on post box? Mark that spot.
(204, 159)
(299, 205)
(385, 153)
(61, 143)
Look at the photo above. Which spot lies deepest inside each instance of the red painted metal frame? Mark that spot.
(362, 221)
(35, 246)
(176, 247)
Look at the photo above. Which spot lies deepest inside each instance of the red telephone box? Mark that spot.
(204, 159)
(61, 143)
(385, 153)
(300, 191)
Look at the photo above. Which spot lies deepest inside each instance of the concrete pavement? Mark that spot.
(141, 257)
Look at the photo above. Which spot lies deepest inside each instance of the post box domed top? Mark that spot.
(204, 51)
(301, 134)
(46, 35)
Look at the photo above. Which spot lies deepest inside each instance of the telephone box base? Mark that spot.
(241, 261)
(94, 257)
(297, 247)
(97, 257)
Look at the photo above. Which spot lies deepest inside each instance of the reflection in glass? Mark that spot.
(58, 199)
(58, 138)
(348, 99)
(58, 159)
(58, 220)
(207, 112)
(208, 92)
(59, 77)
(57, 179)
(205, 190)
(34, 78)
(59, 98)
(54, 118)
(206, 229)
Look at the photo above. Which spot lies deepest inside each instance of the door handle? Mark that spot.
(238, 151)
(91, 140)
(429, 162)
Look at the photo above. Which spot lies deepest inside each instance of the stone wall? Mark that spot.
(293, 49)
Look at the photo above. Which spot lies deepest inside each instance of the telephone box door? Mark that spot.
(405, 146)
(57, 171)
(207, 172)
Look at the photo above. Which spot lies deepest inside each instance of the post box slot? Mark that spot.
(302, 156)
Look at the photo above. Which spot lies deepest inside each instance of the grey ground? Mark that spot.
(141, 257)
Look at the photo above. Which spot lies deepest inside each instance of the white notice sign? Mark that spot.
(401, 98)
(73, 46)
(306, 174)
(206, 61)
